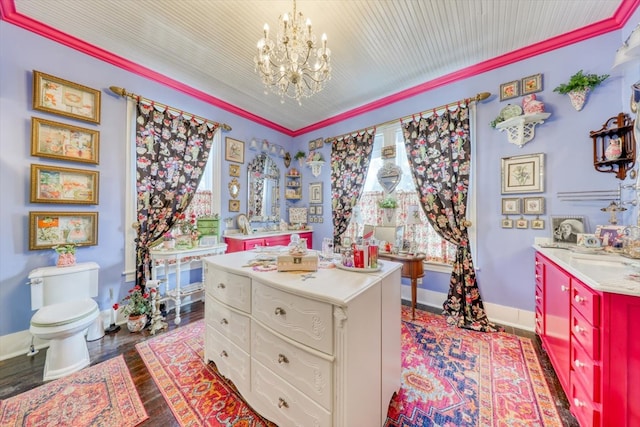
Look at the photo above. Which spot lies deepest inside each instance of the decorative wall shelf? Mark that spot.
(316, 167)
(293, 187)
(616, 131)
(521, 129)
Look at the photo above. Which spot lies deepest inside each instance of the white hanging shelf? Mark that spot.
(316, 167)
(522, 129)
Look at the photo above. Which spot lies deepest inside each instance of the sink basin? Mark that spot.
(601, 260)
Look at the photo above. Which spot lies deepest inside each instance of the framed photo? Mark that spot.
(509, 90)
(610, 235)
(312, 210)
(51, 184)
(64, 142)
(320, 219)
(523, 174)
(58, 96)
(315, 192)
(234, 205)
(537, 224)
(234, 150)
(532, 84)
(533, 205)
(389, 152)
(319, 210)
(522, 223)
(510, 206)
(48, 229)
(507, 223)
(565, 229)
(234, 170)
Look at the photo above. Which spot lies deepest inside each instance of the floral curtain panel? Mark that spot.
(438, 149)
(427, 239)
(350, 158)
(171, 154)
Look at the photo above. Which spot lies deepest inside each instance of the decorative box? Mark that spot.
(297, 262)
(208, 226)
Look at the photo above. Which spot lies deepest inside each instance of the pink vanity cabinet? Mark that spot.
(243, 243)
(593, 342)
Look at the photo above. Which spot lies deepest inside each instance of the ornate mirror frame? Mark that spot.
(263, 189)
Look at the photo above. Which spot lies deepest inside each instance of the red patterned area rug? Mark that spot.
(458, 377)
(195, 391)
(100, 395)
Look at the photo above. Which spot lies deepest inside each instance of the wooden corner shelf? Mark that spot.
(617, 127)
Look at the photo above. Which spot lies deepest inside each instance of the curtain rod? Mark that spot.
(122, 92)
(479, 97)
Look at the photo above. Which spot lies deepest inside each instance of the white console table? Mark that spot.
(180, 258)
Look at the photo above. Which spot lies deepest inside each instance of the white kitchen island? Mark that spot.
(306, 349)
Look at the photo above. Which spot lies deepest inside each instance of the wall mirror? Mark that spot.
(263, 178)
(234, 188)
(389, 176)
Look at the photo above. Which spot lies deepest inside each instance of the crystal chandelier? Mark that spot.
(293, 66)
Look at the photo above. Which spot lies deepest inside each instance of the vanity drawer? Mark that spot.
(587, 335)
(303, 320)
(581, 407)
(586, 301)
(229, 288)
(231, 361)
(232, 324)
(282, 403)
(587, 372)
(306, 371)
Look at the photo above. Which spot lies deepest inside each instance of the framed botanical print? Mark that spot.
(523, 174)
(64, 142)
(234, 150)
(51, 184)
(522, 223)
(58, 96)
(533, 205)
(537, 224)
(48, 229)
(510, 206)
(315, 192)
(234, 205)
(506, 223)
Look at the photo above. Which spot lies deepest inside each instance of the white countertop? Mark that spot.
(602, 272)
(257, 235)
(332, 285)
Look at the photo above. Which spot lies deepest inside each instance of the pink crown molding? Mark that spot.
(621, 16)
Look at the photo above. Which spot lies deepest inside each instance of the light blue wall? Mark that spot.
(504, 257)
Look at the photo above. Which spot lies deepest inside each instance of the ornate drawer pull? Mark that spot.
(564, 288)
(282, 403)
(538, 297)
(579, 299)
(282, 359)
(578, 402)
(224, 321)
(280, 311)
(221, 285)
(579, 364)
(223, 354)
(578, 329)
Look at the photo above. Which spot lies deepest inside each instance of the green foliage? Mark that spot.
(388, 203)
(300, 155)
(65, 249)
(581, 81)
(136, 303)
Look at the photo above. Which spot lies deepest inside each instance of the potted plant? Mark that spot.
(579, 86)
(136, 307)
(388, 205)
(66, 255)
(300, 155)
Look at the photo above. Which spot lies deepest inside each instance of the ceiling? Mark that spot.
(380, 48)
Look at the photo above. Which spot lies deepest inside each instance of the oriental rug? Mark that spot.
(458, 377)
(100, 395)
(450, 377)
(196, 393)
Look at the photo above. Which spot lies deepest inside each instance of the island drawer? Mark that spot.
(228, 322)
(229, 288)
(231, 361)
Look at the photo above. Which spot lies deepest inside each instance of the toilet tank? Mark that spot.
(53, 285)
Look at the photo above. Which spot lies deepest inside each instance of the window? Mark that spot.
(437, 250)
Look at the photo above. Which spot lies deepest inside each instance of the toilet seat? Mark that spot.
(64, 313)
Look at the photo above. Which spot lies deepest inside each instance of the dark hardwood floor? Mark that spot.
(23, 373)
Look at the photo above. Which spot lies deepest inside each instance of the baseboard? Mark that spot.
(503, 315)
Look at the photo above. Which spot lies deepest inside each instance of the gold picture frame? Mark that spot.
(234, 205)
(64, 142)
(51, 184)
(234, 170)
(234, 150)
(388, 151)
(48, 229)
(59, 96)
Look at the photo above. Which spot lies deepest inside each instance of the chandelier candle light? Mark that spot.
(285, 66)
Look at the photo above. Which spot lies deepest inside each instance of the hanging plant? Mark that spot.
(579, 86)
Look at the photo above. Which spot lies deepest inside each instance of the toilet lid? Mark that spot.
(64, 312)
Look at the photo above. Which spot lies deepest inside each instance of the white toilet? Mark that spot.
(62, 296)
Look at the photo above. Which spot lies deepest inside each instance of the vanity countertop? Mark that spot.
(259, 234)
(602, 272)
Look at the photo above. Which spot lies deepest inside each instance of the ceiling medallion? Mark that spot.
(293, 66)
